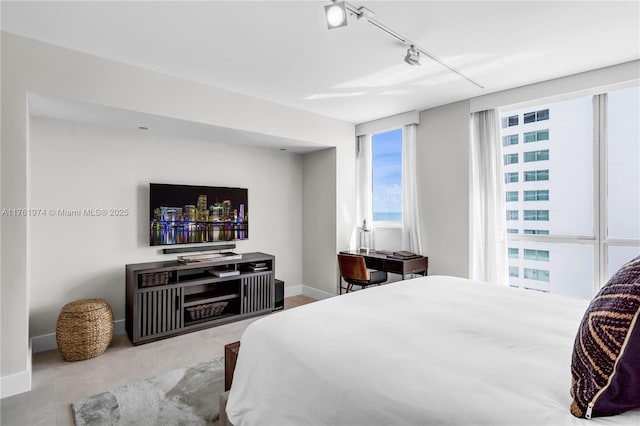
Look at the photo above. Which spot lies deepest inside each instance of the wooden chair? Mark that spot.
(353, 270)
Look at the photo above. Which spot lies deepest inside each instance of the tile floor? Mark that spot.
(57, 383)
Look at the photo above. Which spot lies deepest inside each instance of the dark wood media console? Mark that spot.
(168, 298)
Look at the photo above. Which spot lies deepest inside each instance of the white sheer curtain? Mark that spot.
(488, 214)
(410, 210)
(364, 184)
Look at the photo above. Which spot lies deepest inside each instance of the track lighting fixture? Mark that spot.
(337, 17)
(413, 56)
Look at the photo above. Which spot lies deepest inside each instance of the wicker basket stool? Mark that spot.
(84, 329)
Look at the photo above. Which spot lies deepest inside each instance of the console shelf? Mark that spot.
(198, 301)
(161, 297)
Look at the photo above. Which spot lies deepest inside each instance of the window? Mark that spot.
(511, 177)
(536, 274)
(536, 215)
(509, 121)
(512, 214)
(536, 175)
(539, 135)
(510, 159)
(512, 196)
(536, 231)
(514, 253)
(542, 115)
(510, 140)
(531, 117)
(386, 169)
(542, 255)
(536, 155)
(537, 195)
(623, 134)
(512, 231)
(588, 205)
(514, 271)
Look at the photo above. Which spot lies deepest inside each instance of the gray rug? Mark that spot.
(188, 396)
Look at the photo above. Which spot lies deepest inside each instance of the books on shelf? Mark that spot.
(258, 266)
(225, 272)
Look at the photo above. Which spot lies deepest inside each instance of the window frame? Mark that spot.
(536, 155)
(512, 158)
(539, 175)
(508, 140)
(536, 215)
(536, 272)
(536, 194)
(510, 175)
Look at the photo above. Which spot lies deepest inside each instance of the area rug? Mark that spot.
(187, 396)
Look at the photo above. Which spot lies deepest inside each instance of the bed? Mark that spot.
(433, 350)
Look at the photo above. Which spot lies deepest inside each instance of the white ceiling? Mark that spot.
(283, 52)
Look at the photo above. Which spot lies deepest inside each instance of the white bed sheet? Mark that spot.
(433, 350)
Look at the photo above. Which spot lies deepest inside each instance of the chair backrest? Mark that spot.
(353, 267)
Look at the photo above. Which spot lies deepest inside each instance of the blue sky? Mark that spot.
(387, 171)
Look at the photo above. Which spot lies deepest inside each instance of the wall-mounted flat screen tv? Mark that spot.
(184, 214)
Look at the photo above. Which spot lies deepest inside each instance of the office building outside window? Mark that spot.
(559, 239)
(536, 156)
(536, 215)
(511, 177)
(536, 274)
(510, 140)
(538, 135)
(532, 175)
(537, 195)
(509, 121)
(510, 158)
(535, 231)
(531, 117)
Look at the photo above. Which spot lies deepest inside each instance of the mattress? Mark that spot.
(433, 350)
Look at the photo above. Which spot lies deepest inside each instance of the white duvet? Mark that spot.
(428, 351)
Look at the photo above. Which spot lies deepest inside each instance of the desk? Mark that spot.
(381, 261)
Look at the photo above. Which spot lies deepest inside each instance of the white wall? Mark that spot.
(443, 187)
(30, 66)
(77, 166)
(319, 243)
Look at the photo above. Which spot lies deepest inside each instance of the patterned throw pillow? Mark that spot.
(605, 365)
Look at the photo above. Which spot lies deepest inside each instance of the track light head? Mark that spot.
(336, 15)
(413, 56)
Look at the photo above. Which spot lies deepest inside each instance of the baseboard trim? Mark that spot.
(315, 293)
(15, 384)
(47, 342)
(293, 290)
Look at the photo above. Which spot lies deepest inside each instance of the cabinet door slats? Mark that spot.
(155, 320)
(258, 293)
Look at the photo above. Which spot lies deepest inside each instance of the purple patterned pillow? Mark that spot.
(605, 365)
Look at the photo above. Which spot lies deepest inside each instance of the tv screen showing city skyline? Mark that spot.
(183, 214)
